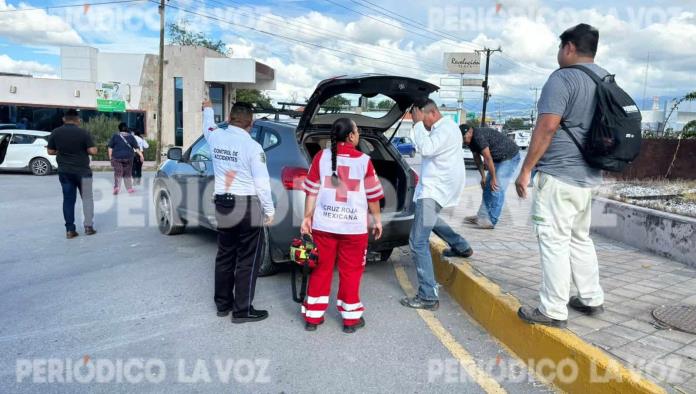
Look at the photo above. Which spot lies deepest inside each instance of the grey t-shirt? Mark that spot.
(570, 94)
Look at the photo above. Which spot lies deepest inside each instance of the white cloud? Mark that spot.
(9, 65)
(35, 27)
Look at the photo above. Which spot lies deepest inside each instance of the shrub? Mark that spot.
(101, 127)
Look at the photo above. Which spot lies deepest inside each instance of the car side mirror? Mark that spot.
(175, 153)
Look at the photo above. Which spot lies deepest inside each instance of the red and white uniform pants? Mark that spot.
(349, 251)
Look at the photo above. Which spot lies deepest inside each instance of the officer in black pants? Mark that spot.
(243, 206)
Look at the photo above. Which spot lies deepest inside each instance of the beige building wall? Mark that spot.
(187, 63)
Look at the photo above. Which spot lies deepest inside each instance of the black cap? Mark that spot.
(71, 113)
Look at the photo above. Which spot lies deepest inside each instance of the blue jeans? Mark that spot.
(71, 184)
(493, 201)
(425, 222)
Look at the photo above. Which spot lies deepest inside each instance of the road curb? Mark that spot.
(497, 313)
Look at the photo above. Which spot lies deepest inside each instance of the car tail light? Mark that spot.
(415, 177)
(293, 177)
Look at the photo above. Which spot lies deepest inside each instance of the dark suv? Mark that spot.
(184, 183)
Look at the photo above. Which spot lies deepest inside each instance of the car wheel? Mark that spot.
(268, 267)
(40, 166)
(167, 219)
(385, 254)
(413, 154)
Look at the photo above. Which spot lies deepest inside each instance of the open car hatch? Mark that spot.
(397, 94)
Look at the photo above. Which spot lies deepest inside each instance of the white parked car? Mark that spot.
(521, 138)
(26, 151)
(468, 158)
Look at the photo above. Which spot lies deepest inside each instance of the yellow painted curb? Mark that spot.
(552, 353)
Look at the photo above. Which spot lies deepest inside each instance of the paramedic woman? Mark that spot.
(341, 186)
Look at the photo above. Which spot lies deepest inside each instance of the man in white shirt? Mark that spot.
(243, 205)
(442, 177)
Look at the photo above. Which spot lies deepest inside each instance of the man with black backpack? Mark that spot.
(576, 136)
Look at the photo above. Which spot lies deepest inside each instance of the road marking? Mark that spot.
(487, 383)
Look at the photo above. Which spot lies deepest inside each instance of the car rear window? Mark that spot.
(352, 103)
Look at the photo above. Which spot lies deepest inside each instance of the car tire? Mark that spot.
(268, 267)
(168, 221)
(413, 154)
(40, 166)
(385, 254)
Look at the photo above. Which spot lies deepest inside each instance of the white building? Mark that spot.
(190, 74)
(654, 119)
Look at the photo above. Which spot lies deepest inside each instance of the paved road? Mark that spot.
(129, 296)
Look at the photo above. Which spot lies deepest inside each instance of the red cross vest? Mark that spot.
(342, 209)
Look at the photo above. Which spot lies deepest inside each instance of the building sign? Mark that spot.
(453, 114)
(472, 82)
(110, 97)
(463, 63)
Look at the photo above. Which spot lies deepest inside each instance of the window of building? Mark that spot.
(49, 118)
(178, 111)
(217, 97)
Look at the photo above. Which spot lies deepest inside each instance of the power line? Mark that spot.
(286, 38)
(50, 7)
(420, 25)
(326, 33)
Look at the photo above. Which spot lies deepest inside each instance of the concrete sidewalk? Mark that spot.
(106, 166)
(634, 282)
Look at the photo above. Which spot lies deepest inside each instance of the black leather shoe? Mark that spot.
(354, 327)
(251, 316)
(224, 313)
(89, 230)
(577, 304)
(71, 234)
(419, 303)
(534, 316)
(455, 253)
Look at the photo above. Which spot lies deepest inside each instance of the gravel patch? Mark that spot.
(677, 197)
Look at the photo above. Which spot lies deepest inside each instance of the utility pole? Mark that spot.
(645, 82)
(485, 82)
(160, 87)
(536, 95)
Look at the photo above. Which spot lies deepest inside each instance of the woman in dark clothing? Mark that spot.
(122, 148)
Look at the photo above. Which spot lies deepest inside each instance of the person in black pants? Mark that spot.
(137, 159)
(243, 205)
(72, 146)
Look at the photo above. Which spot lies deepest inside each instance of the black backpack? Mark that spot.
(614, 137)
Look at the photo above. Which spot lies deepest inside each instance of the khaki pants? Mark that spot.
(561, 215)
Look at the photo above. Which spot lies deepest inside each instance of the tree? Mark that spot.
(180, 34)
(254, 96)
(689, 130)
(385, 104)
(687, 97)
(336, 102)
(515, 123)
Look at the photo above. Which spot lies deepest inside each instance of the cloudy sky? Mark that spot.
(307, 41)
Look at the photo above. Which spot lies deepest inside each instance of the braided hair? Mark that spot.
(340, 130)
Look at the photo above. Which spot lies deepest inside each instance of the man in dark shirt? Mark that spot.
(501, 156)
(72, 146)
